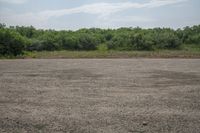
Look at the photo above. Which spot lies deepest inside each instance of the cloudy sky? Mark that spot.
(75, 14)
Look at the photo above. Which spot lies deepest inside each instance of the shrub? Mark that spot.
(119, 42)
(11, 43)
(69, 43)
(167, 41)
(42, 45)
(139, 42)
(102, 47)
(87, 42)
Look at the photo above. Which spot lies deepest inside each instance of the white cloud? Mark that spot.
(129, 19)
(117, 21)
(157, 3)
(14, 1)
(103, 11)
(27, 19)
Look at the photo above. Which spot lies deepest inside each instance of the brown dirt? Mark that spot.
(100, 95)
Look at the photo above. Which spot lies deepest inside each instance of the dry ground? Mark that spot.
(100, 95)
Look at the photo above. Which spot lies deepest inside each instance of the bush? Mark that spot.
(102, 47)
(69, 43)
(11, 43)
(195, 39)
(167, 41)
(87, 42)
(42, 45)
(13, 39)
(139, 42)
(119, 42)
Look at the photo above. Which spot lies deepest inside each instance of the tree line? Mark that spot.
(14, 40)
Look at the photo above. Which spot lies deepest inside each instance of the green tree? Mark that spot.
(86, 42)
(11, 43)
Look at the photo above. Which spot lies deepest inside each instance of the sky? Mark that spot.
(76, 14)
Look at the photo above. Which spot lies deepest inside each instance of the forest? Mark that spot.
(14, 40)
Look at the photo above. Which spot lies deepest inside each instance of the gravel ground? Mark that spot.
(100, 96)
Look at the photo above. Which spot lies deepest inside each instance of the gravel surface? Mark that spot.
(100, 96)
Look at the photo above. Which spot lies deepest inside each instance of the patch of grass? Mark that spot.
(185, 51)
(12, 57)
(102, 48)
(191, 47)
(114, 54)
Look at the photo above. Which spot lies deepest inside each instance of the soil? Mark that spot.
(100, 95)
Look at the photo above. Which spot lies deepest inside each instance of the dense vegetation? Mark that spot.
(15, 40)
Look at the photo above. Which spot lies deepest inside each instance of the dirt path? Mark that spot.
(100, 95)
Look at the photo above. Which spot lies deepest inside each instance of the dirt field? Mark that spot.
(100, 96)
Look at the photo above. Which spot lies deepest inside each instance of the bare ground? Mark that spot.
(100, 96)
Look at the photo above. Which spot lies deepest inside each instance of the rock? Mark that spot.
(144, 123)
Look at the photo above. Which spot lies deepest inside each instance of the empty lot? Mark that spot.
(100, 95)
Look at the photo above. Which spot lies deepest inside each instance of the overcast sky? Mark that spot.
(76, 14)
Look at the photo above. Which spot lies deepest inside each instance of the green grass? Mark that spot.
(186, 51)
(191, 47)
(114, 54)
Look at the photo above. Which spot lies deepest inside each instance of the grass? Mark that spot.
(186, 51)
(113, 54)
(191, 47)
